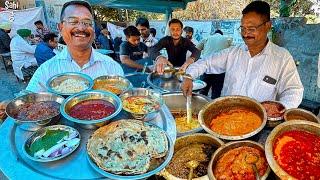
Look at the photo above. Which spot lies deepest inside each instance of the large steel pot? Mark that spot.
(276, 132)
(229, 146)
(176, 101)
(300, 114)
(191, 139)
(212, 109)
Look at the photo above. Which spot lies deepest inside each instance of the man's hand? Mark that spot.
(189, 61)
(187, 86)
(161, 63)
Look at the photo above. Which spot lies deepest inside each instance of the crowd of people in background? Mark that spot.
(141, 51)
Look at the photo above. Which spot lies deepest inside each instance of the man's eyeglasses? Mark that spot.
(76, 21)
(251, 29)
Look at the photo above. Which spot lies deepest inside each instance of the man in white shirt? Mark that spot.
(214, 44)
(258, 69)
(209, 45)
(143, 26)
(76, 28)
(22, 53)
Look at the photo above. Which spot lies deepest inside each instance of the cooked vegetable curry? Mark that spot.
(298, 153)
(234, 165)
(235, 122)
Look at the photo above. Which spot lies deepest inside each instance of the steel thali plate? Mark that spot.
(15, 165)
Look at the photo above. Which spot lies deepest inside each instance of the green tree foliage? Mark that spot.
(123, 15)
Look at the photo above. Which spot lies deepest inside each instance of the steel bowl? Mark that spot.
(229, 146)
(171, 84)
(117, 79)
(184, 141)
(300, 114)
(40, 133)
(59, 78)
(179, 75)
(276, 132)
(177, 102)
(215, 107)
(168, 72)
(143, 92)
(96, 94)
(166, 161)
(274, 121)
(29, 125)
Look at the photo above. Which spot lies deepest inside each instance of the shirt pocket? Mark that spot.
(264, 91)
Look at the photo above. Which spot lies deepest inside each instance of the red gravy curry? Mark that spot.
(298, 153)
(92, 109)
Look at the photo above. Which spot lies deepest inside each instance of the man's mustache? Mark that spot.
(81, 32)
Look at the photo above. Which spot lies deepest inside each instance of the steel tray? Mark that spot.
(15, 165)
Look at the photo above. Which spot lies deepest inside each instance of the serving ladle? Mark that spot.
(252, 159)
(189, 109)
(192, 165)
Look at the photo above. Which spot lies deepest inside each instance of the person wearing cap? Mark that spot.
(5, 28)
(22, 53)
(258, 69)
(77, 29)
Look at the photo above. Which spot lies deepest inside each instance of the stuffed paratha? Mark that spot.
(127, 146)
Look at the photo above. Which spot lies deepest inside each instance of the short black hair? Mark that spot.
(188, 29)
(38, 22)
(131, 31)
(61, 41)
(260, 7)
(143, 22)
(49, 36)
(175, 21)
(79, 3)
(104, 25)
(153, 31)
(218, 31)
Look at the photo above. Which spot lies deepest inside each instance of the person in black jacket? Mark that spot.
(176, 47)
(5, 39)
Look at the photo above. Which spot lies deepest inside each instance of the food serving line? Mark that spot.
(17, 163)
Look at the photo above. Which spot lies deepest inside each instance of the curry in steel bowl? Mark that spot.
(142, 103)
(114, 84)
(292, 150)
(242, 160)
(34, 107)
(181, 121)
(194, 147)
(233, 117)
(176, 102)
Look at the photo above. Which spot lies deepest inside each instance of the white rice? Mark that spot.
(71, 86)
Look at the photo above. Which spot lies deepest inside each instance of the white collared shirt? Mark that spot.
(98, 65)
(150, 41)
(22, 54)
(270, 75)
